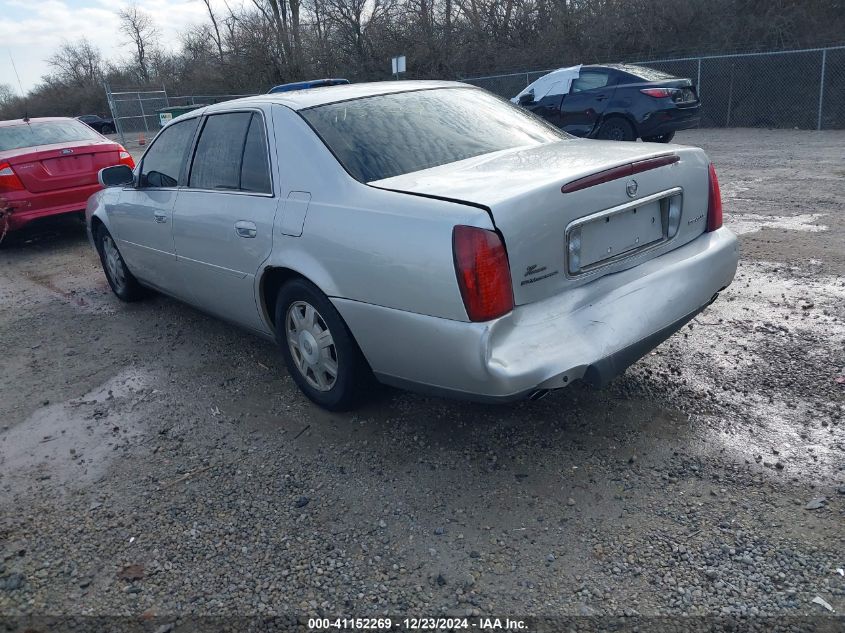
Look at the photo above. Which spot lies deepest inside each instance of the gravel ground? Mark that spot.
(155, 461)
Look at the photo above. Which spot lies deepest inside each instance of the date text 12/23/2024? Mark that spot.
(416, 624)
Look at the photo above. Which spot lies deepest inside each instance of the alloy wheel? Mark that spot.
(114, 263)
(311, 345)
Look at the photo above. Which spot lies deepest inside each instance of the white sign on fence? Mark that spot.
(398, 64)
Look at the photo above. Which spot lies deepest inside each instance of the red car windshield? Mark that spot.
(44, 133)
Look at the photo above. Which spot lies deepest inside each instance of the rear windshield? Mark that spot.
(390, 135)
(44, 133)
(649, 74)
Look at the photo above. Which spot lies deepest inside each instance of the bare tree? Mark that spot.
(78, 63)
(218, 41)
(264, 42)
(142, 31)
(7, 95)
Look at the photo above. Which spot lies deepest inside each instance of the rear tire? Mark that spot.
(122, 282)
(108, 129)
(662, 138)
(616, 128)
(320, 352)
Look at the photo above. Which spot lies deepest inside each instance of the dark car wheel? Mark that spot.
(663, 138)
(107, 129)
(617, 129)
(321, 355)
(122, 282)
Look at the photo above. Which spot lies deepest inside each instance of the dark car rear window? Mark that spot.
(647, 74)
(44, 133)
(390, 135)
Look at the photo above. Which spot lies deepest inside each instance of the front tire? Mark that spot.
(321, 355)
(122, 282)
(617, 129)
(662, 138)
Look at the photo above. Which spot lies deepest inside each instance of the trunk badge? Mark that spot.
(67, 151)
(631, 188)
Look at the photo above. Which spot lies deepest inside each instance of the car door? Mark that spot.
(587, 100)
(548, 105)
(142, 217)
(223, 219)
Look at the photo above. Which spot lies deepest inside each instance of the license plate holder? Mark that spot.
(620, 233)
(602, 238)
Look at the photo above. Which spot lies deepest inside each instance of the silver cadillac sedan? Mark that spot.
(426, 235)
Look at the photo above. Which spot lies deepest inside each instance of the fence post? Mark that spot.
(113, 109)
(143, 114)
(821, 90)
(730, 97)
(698, 81)
(527, 83)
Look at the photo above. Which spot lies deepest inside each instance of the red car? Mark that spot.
(49, 166)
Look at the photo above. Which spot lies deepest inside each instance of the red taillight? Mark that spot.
(714, 202)
(126, 158)
(484, 276)
(657, 93)
(9, 180)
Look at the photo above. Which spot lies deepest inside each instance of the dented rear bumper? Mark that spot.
(592, 332)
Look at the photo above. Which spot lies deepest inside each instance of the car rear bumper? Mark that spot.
(592, 332)
(669, 120)
(26, 206)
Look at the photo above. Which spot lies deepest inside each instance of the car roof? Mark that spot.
(302, 99)
(311, 83)
(35, 120)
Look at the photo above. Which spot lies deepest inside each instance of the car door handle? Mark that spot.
(245, 229)
(601, 97)
(161, 218)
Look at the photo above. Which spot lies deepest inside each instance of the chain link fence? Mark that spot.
(802, 89)
(137, 113)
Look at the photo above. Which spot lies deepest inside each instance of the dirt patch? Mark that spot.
(707, 480)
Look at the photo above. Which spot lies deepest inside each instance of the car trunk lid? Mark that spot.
(523, 191)
(61, 165)
(684, 92)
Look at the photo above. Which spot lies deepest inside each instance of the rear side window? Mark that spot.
(164, 160)
(589, 80)
(231, 154)
(44, 133)
(255, 168)
(217, 159)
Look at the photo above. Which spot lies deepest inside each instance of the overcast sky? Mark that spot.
(31, 30)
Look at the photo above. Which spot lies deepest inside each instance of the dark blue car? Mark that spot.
(304, 85)
(620, 102)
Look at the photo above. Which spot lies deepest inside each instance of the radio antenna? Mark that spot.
(15, 68)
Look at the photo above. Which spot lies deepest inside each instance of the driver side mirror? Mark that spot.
(525, 99)
(116, 176)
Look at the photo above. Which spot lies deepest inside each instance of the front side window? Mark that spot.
(389, 135)
(164, 160)
(39, 133)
